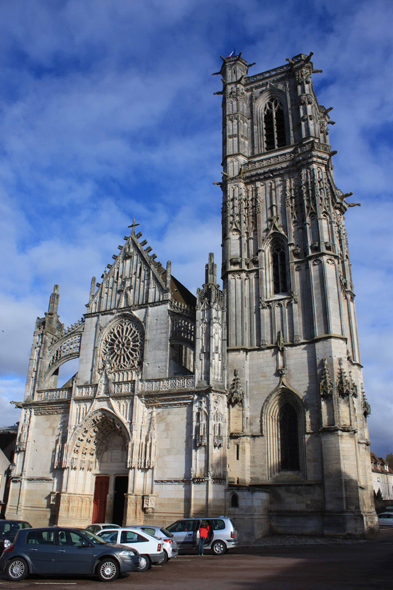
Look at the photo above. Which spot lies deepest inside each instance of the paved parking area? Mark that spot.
(366, 565)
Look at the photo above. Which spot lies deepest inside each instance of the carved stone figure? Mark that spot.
(235, 395)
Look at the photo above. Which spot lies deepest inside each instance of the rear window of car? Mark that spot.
(40, 537)
(166, 532)
(148, 530)
(11, 528)
(131, 537)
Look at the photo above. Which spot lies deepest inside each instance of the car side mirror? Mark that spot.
(85, 544)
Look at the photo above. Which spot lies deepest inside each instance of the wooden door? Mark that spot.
(100, 493)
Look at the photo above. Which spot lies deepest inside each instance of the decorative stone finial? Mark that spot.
(343, 385)
(211, 271)
(236, 394)
(366, 405)
(54, 301)
(325, 384)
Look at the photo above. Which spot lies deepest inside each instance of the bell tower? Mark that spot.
(291, 322)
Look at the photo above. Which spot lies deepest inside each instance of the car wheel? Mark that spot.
(17, 569)
(165, 558)
(108, 570)
(219, 548)
(144, 563)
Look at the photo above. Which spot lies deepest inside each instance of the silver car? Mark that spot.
(168, 540)
(222, 533)
(385, 519)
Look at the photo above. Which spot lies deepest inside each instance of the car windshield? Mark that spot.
(94, 538)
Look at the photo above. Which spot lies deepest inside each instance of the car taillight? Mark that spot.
(167, 540)
(159, 547)
(232, 535)
(9, 548)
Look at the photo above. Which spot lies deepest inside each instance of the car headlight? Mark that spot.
(125, 553)
(7, 543)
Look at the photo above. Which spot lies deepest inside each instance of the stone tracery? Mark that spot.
(122, 348)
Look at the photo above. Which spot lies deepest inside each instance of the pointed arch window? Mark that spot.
(234, 500)
(283, 423)
(274, 123)
(279, 264)
(289, 438)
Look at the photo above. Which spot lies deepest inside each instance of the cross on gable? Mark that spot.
(133, 225)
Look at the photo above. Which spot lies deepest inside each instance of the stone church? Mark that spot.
(246, 401)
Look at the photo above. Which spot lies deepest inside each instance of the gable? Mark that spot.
(134, 279)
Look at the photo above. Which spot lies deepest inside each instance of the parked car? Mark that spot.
(168, 541)
(59, 550)
(222, 534)
(8, 530)
(100, 526)
(385, 519)
(149, 547)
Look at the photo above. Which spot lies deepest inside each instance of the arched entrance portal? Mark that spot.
(111, 480)
(97, 472)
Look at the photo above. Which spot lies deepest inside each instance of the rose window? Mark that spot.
(123, 346)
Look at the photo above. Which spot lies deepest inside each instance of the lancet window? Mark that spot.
(289, 438)
(279, 267)
(274, 123)
(234, 500)
(283, 422)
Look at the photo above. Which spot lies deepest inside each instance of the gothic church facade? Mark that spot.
(246, 401)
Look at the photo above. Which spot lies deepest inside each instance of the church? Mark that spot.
(246, 401)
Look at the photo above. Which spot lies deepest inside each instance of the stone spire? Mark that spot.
(211, 271)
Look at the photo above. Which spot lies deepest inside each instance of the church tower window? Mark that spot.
(289, 440)
(274, 125)
(279, 264)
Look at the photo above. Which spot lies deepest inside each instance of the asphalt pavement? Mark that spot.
(346, 565)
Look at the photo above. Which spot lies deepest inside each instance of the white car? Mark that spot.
(149, 547)
(168, 540)
(99, 526)
(385, 519)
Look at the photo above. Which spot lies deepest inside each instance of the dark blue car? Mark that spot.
(65, 551)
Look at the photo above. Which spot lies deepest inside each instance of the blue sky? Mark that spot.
(107, 113)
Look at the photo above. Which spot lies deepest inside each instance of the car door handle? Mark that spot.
(33, 549)
(189, 534)
(59, 551)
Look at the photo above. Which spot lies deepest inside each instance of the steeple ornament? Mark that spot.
(236, 394)
(353, 386)
(343, 383)
(325, 384)
(366, 405)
